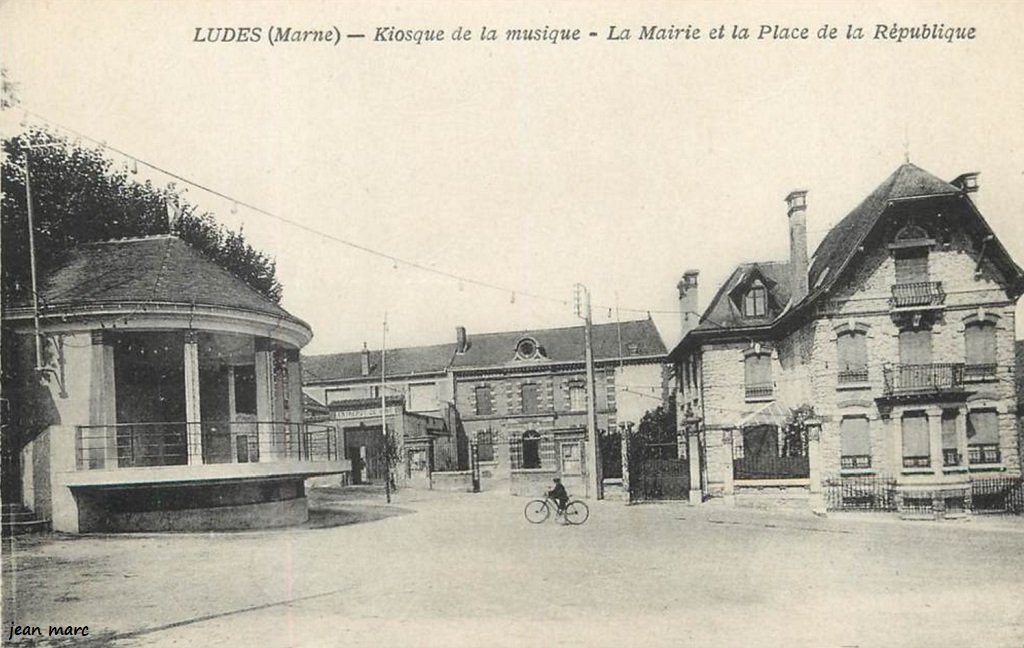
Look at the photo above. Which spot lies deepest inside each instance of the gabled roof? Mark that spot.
(408, 361)
(839, 246)
(836, 251)
(153, 270)
(723, 311)
(640, 338)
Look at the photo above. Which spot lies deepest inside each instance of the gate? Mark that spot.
(656, 471)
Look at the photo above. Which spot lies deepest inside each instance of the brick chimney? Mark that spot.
(796, 203)
(461, 341)
(688, 307)
(364, 360)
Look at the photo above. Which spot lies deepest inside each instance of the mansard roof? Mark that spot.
(639, 338)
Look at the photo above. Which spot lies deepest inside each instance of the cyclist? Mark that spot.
(559, 495)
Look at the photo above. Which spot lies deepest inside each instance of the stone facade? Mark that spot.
(967, 287)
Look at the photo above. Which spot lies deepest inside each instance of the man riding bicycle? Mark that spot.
(559, 495)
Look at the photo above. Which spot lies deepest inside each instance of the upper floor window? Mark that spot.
(484, 406)
(577, 397)
(755, 302)
(852, 348)
(758, 374)
(915, 346)
(529, 398)
(983, 437)
(980, 356)
(423, 397)
(912, 266)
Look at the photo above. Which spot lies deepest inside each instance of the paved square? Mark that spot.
(468, 570)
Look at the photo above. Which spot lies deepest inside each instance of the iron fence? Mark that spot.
(998, 494)
(860, 493)
(135, 445)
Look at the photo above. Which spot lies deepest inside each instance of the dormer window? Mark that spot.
(755, 302)
(528, 349)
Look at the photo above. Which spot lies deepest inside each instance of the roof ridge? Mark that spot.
(131, 239)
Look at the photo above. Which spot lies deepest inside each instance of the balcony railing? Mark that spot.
(950, 457)
(904, 380)
(853, 376)
(980, 372)
(759, 390)
(924, 294)
(136, 445)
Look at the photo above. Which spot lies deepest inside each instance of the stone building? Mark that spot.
(418, 391)
(881, 367)
(515, 400)
(522, 399)
(158, 392)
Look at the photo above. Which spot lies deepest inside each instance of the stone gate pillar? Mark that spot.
(691, 425)
(817, 501)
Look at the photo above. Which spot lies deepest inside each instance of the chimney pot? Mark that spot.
(461, 340)
(967, 182)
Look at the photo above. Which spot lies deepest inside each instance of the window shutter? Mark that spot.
(855, 439)
(981, 344)
(949, 418)
(916, 347)
(912, 267)
(915, 436)
(853, 351)
(982, 427)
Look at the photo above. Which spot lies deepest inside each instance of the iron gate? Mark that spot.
(656, 471)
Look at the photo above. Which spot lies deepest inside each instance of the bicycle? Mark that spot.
(538, 510)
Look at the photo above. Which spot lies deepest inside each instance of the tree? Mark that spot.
(79, 195)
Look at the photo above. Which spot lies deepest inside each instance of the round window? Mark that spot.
(526, 348)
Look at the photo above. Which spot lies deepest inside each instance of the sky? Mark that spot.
(531, 166)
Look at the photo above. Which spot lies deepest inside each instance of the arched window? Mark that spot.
(531, 450)
(980, 356)
(853, 356)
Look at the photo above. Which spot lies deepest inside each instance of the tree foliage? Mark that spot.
(79, 195)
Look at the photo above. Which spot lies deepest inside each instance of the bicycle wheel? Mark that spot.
(576, 512)
(536, 511)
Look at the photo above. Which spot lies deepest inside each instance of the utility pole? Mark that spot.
(582, 300)
(384, 411)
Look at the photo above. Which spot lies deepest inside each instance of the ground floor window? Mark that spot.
(855, 442)
(916, 448)
(485, 445)
(571, 458)
(983, 437)
(950, 445)
(531, 450)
